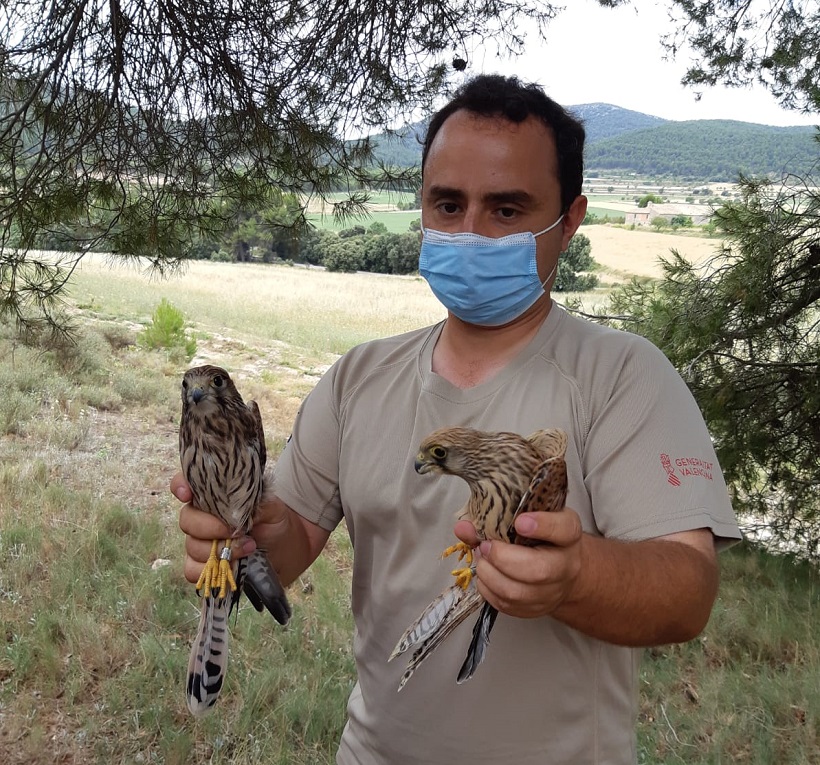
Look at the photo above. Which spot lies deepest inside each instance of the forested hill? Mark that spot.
(600, 121)
(621, 139)
(708, 150)
(606, 121)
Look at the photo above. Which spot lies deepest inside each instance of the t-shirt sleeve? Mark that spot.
(649, 464)
(307, 472)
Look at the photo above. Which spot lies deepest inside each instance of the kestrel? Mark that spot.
(507, 475)
(222, 451)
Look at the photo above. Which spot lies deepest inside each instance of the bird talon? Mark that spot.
(463, 576)
(217, 575)
(465, 552)
(209, 578)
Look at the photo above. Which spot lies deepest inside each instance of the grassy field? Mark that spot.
(383, 206)
(396, 221)
(95, 615)
(604, 212)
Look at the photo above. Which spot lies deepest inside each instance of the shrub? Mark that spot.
(167, 330)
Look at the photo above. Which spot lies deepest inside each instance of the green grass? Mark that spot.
(95, 641)
(396, 222)
(603, 212)
(747, 690)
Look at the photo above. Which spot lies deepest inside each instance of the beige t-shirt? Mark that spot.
(640, 464)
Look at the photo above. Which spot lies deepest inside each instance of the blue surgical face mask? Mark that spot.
(483, 281)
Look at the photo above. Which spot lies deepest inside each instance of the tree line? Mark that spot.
(369, 248)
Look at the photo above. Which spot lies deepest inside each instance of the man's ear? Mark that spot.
(573, 219)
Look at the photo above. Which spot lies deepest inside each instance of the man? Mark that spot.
(631, 564)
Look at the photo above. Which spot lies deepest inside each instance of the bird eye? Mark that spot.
(185, 385)
(218, 380)
(438, 452)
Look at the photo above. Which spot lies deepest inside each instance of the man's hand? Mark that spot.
(201, 529)
(640, 593)
(290, 542)
(525, 581)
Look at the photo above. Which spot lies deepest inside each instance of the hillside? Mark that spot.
(607, 121)
(709, 150)
(629, 141)
(403, 148)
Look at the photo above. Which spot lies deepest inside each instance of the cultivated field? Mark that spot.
(623, 252)
(96, 618)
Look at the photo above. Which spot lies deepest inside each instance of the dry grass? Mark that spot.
(312, 310)
(623, 252)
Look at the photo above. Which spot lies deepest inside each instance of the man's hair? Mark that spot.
(492, 95)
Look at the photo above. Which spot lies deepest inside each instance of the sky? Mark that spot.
(614, 56)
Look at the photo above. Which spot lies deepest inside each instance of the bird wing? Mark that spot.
(260, 432)
(262, 586)
(547, 493)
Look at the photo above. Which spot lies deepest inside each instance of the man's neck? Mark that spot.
(467, 355)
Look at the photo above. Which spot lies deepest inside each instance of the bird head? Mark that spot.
(207, 388)
(454, 451)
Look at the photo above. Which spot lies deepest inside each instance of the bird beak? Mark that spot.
(197, 393)
(422, 465)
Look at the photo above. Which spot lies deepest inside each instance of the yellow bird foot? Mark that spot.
(463, 576)
(217, 576)
(465, 552)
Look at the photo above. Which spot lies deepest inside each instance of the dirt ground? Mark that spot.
(636, 252)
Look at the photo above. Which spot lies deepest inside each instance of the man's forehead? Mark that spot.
(464, 119)
(470, 145)
(463, 129)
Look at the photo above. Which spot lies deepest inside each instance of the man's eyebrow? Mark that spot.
(513, 196)
(438, 192)
(509, 197)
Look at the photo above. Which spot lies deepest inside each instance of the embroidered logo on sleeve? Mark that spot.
(685, 467)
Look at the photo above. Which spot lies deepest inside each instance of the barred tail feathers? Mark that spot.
(209, 655)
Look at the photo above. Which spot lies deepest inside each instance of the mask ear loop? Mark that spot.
(549, 276)
(550, 228)
(555, 267)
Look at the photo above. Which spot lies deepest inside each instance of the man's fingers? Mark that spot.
(514, 563)
(199, 541)
(180, 488)
(465, 531)
(193, 568)
(520, 596)
(562, 528)
(201, 525)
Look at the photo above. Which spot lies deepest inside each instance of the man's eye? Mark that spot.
(507, 212)
(449, 208)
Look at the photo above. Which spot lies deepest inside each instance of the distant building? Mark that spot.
(643, 216)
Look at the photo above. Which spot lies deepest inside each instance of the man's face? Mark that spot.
(490, 176)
